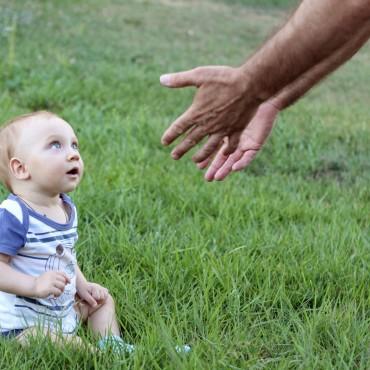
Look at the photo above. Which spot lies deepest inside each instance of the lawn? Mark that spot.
(266, 270)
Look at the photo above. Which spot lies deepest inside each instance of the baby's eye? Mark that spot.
(55, 144)
(75, 146)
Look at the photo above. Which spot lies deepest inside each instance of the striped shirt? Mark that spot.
(36, 245)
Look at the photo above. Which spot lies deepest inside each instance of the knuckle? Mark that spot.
(197, 70)
(178, 128)
(110, 299)
(189, 142)
(203, 128)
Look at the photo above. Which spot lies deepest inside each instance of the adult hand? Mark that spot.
(252, 139)
(223, 105)
(50, 283)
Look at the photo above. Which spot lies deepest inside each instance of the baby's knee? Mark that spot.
(109, 302)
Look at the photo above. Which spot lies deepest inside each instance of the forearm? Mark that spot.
(314, 32)
(291, 93)
(80, 279)
(14, 282)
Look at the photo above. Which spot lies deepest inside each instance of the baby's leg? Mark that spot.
(102, 321)
(102, 318)
(60, 340)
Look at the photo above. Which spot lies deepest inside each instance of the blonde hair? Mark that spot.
(9, 133)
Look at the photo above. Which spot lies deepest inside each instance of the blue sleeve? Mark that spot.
(12, 233)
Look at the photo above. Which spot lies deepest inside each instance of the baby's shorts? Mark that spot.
(10, 334)
(68, 325)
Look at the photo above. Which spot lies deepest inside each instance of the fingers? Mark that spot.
(100, 294)
(235, 162)
(191, 139)
(209, 148)
(195, 77)
(61, 280)
(60, 285)
(56, 292)
(216, 164)
(245, 160)
(68, 280)
(181, 125)
(89, 299)
(50, 283)
(233, 143)
(182, 79)
(63, 276)
(228, 165)
(214, 167)
(202, 165)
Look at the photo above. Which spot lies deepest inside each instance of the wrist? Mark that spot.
(81, 284)
(250, 84)
(80, 278)
(33, 287)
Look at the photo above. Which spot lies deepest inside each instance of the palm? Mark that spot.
(251, 141)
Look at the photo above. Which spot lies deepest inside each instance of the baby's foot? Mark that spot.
(183, 349)
(116, 344)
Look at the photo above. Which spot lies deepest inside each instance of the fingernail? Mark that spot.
(165, 80)
(218, 177)
(208, 177)
(175, 156)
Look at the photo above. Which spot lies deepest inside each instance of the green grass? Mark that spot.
(269, 269)
(263, 3)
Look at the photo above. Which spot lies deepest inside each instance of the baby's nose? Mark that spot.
(73, 156)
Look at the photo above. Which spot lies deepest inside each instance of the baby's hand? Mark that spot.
(50, 283)
(98, 292)
(93, 293)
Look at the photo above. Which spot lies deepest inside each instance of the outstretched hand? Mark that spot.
(252, 139)
(222, 107)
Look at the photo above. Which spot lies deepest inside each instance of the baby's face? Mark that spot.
(48, 148)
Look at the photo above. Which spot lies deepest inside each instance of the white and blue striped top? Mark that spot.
(38, 244)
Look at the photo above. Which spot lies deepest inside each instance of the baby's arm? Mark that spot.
(92, 293)
(14, 282)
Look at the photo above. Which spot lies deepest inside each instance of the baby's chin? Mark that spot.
(70, 188)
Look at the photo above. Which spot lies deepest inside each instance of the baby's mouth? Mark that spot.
(73, 171)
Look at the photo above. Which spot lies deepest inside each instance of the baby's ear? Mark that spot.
(18, 169)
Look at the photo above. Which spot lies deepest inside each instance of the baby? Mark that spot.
(42, 288)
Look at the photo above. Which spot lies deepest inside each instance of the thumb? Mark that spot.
(181, 79)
